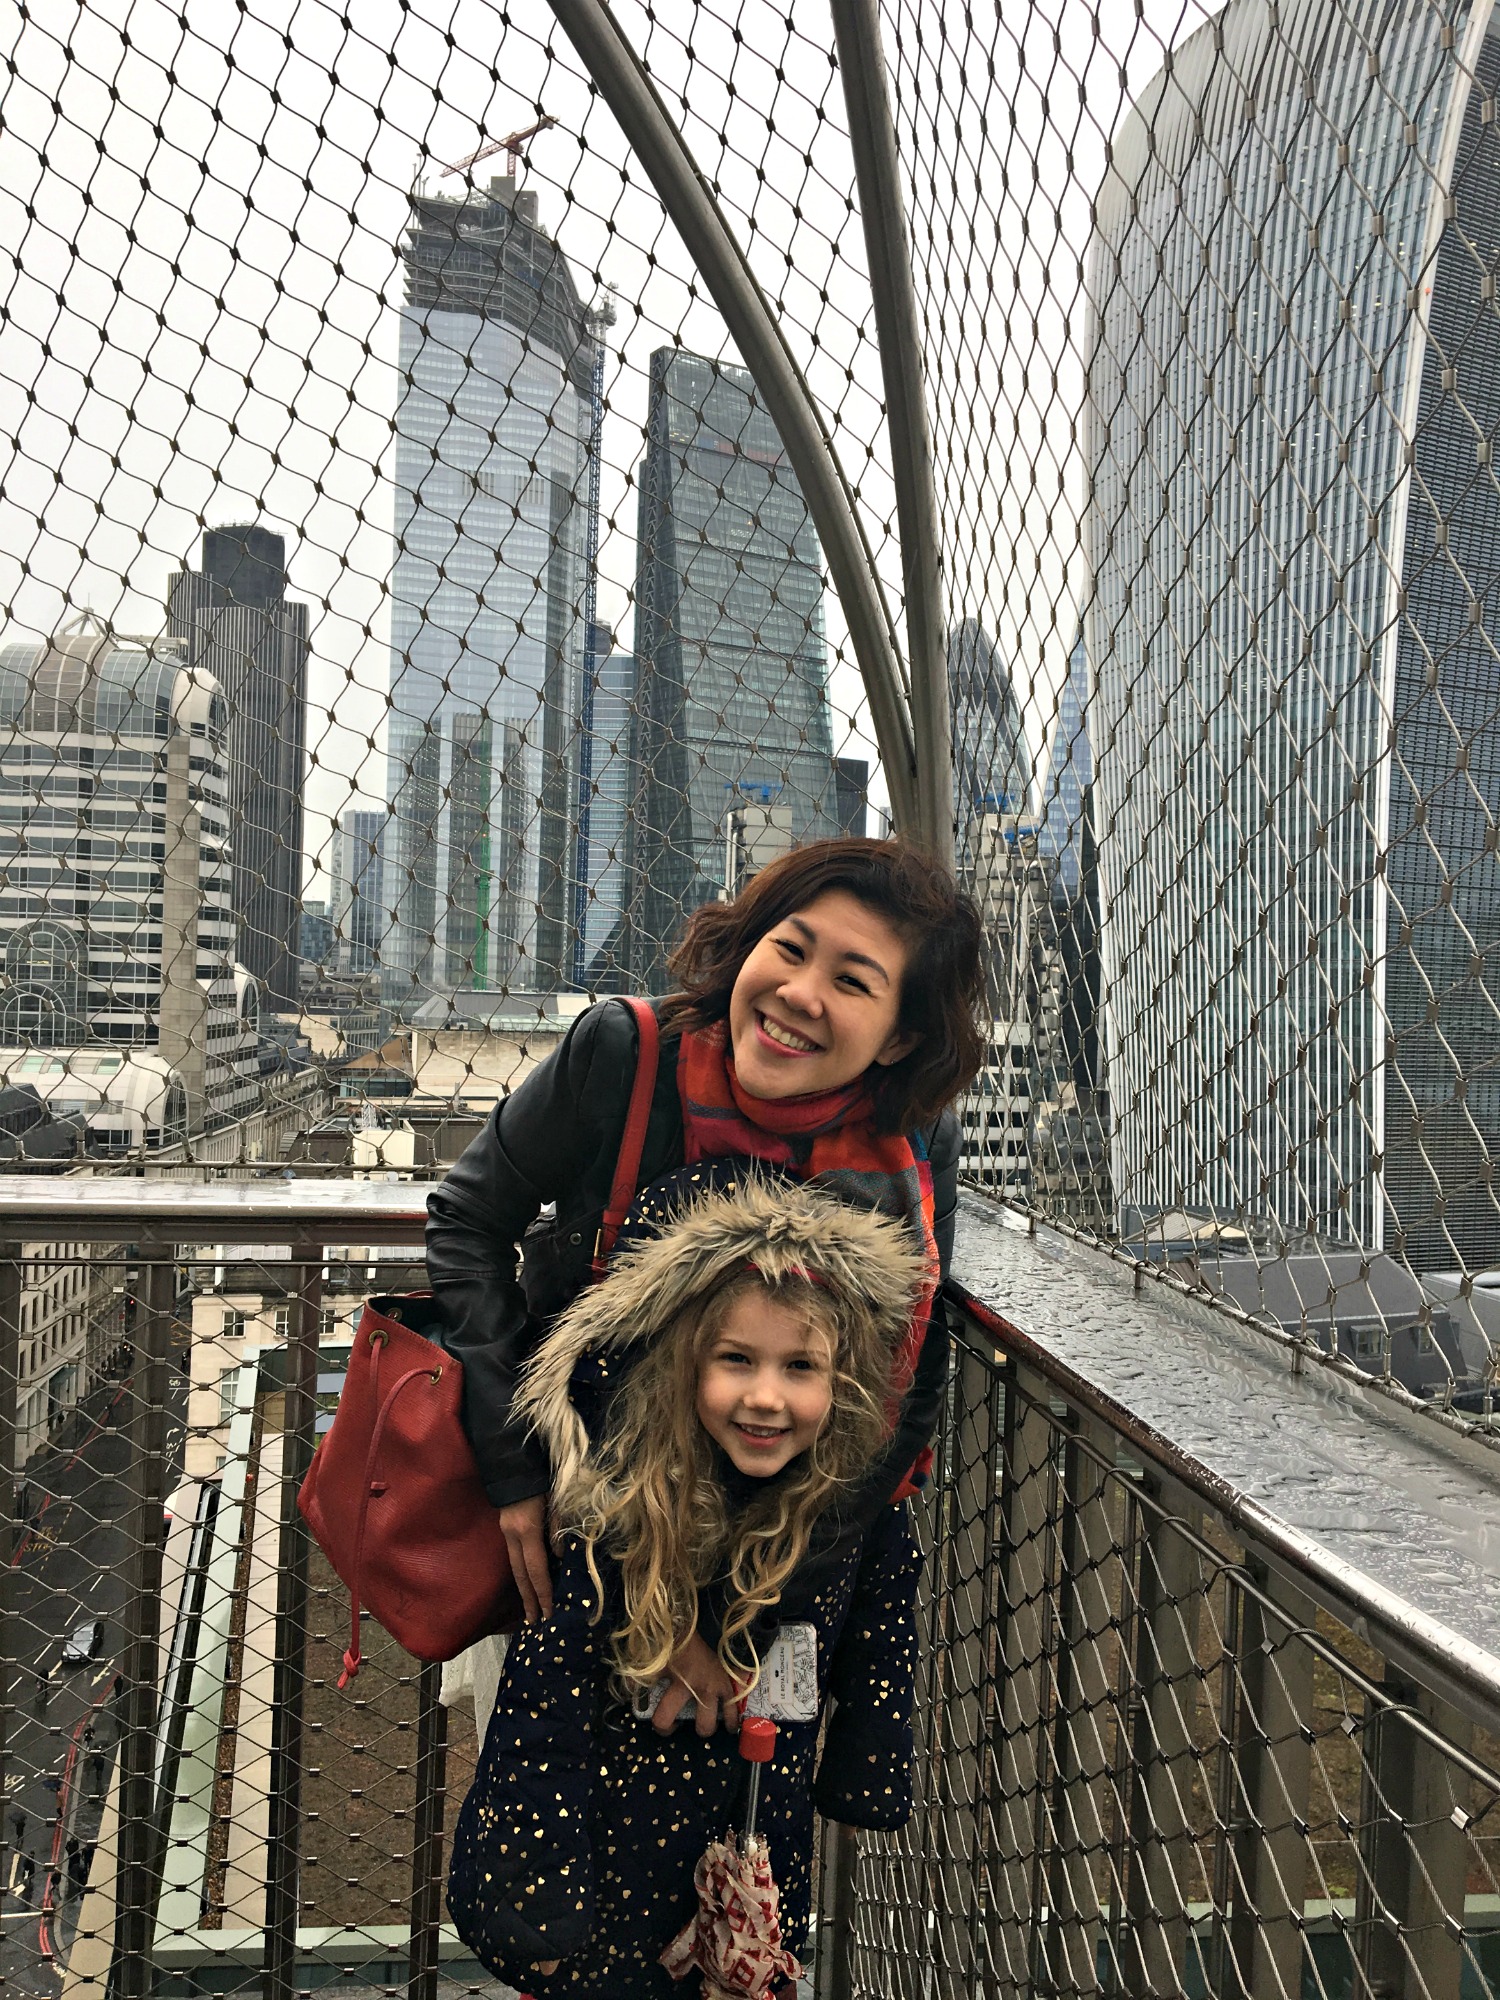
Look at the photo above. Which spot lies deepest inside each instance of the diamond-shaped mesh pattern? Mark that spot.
(1150, 1764)
(415, 608)
(426, 580)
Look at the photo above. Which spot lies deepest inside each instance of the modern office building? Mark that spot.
(1011, 884)
(602, 871)
(489, 599)
(1069, 846)
(356, 906)
(991, 761)
(116, 918)
(242, 628)
(731, 662)
(1294, 388)
(851, 791)
(1070, 773)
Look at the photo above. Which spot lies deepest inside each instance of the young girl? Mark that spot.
(701, 1409)
(824, 1022)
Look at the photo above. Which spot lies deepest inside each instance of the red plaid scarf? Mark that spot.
(827, 1140)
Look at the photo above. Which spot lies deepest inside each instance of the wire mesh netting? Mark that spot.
(1147, 1761)
(1150, 1764)
(414, 612)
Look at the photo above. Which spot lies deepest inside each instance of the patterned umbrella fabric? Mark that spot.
(734, 1939)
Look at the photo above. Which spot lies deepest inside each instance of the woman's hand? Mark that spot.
(698, 1674)
(524, 1526)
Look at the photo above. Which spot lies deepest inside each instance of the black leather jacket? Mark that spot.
(555, 1139)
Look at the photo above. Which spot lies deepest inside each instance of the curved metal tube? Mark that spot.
(698, 220)
(872, 135)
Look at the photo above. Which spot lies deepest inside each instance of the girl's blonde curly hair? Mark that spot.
(652, 1498)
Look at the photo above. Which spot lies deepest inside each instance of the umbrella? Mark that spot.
(734, 1939)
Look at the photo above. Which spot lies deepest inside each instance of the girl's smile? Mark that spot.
(818, 1000)
(765, 1387)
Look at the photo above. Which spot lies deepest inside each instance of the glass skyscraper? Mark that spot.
(1294, 393)
(609, 808)
(731, 663)
(243, 629)
(356, 903)
(991, 761)
(489, 599)
(1070, 772)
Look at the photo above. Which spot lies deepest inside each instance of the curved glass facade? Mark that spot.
(1289, 685)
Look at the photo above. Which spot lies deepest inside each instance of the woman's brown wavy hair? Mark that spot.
(923, 904)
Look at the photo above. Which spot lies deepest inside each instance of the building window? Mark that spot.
(283, 1322)
(43, 1006)
(229, 1389)
(233, 1326)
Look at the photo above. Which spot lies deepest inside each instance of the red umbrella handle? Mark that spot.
(757, 1747)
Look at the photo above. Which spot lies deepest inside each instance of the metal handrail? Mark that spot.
(103, 1208)
(1028, 1453)
(1462, 1671)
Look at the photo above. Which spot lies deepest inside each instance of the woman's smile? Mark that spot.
(786, 1038)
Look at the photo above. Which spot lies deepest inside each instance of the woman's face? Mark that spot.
(817, 1001)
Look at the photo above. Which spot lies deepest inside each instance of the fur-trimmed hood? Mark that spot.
(866, 1262)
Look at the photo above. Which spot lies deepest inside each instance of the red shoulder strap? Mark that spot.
(628, 1166)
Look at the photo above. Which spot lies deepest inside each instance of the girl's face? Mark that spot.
(817, 1001)
(765, 1386)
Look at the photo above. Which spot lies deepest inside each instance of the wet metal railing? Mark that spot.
(1209, 1696)
(1210, 1693)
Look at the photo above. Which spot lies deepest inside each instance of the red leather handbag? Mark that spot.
(393, 1496)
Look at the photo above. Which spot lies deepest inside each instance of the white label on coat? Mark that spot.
(787, 1690)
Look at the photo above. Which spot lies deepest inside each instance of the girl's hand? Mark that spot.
(524, 1526)
(546, 1966)
(697, 1674)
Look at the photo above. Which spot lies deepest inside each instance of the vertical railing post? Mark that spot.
(1027, 1498)
(901, 1934)
(1082, 1753)
(284, 1831)
(963, 1635)
(10, 1371)
(427, 1835)
(1171, 1585)
(898, 329)
(145, 1481)
(1267, 1886)
(1409, 1909)
(1439, 1849)
(835, 1962)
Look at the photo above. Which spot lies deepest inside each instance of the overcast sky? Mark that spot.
(202, 207)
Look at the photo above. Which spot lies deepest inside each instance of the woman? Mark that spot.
(825, 1022)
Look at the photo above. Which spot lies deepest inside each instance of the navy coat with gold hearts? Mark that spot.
(579, 1839)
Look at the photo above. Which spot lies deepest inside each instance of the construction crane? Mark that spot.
(511, 147)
